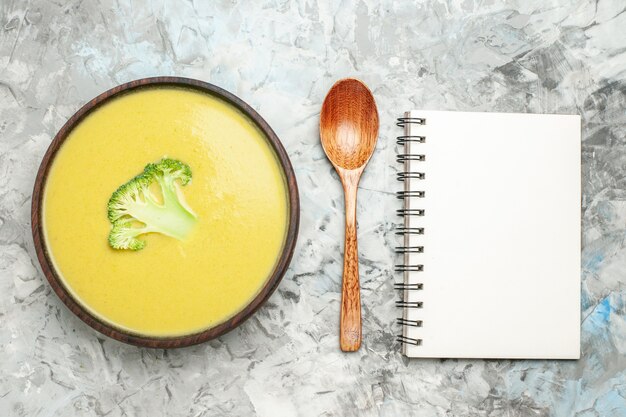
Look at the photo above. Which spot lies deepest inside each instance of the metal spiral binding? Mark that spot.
(403, 286)
(401, 176)
(402, 121)
(410, 212)
(409, 249)
(401, 140)
(410, 304)
(412, 323)
(409, 268)
(401, 230)
(404, 230)
(406, 194)
(409, 340)
(403, 157)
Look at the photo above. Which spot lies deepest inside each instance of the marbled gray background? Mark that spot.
(282, 56)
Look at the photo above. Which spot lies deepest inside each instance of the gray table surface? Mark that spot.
(282, 56)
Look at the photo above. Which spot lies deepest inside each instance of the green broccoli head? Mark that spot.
(124, 236)
(135, 209)
(169, 169)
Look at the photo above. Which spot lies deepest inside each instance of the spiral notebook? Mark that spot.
(492, 235)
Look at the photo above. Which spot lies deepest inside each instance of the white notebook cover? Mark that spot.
(502, 236)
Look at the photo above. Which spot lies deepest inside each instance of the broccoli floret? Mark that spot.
(134, 208)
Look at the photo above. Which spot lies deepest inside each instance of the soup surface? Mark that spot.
(238, 191)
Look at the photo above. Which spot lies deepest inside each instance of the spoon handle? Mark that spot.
(350, 326)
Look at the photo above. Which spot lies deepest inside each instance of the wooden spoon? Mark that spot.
(349, 130)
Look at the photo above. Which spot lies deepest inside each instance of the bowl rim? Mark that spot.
(175, 341)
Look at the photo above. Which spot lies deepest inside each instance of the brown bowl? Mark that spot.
(255, 303)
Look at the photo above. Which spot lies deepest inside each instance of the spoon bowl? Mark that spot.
(349, 124)
(348, 132)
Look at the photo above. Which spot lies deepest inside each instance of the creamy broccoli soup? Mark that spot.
(172, 285)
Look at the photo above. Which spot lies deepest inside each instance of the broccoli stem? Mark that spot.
(170, 218)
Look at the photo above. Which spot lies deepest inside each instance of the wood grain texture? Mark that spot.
(349, 124)
(350, 322)
(349, 131)
(172, 342)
